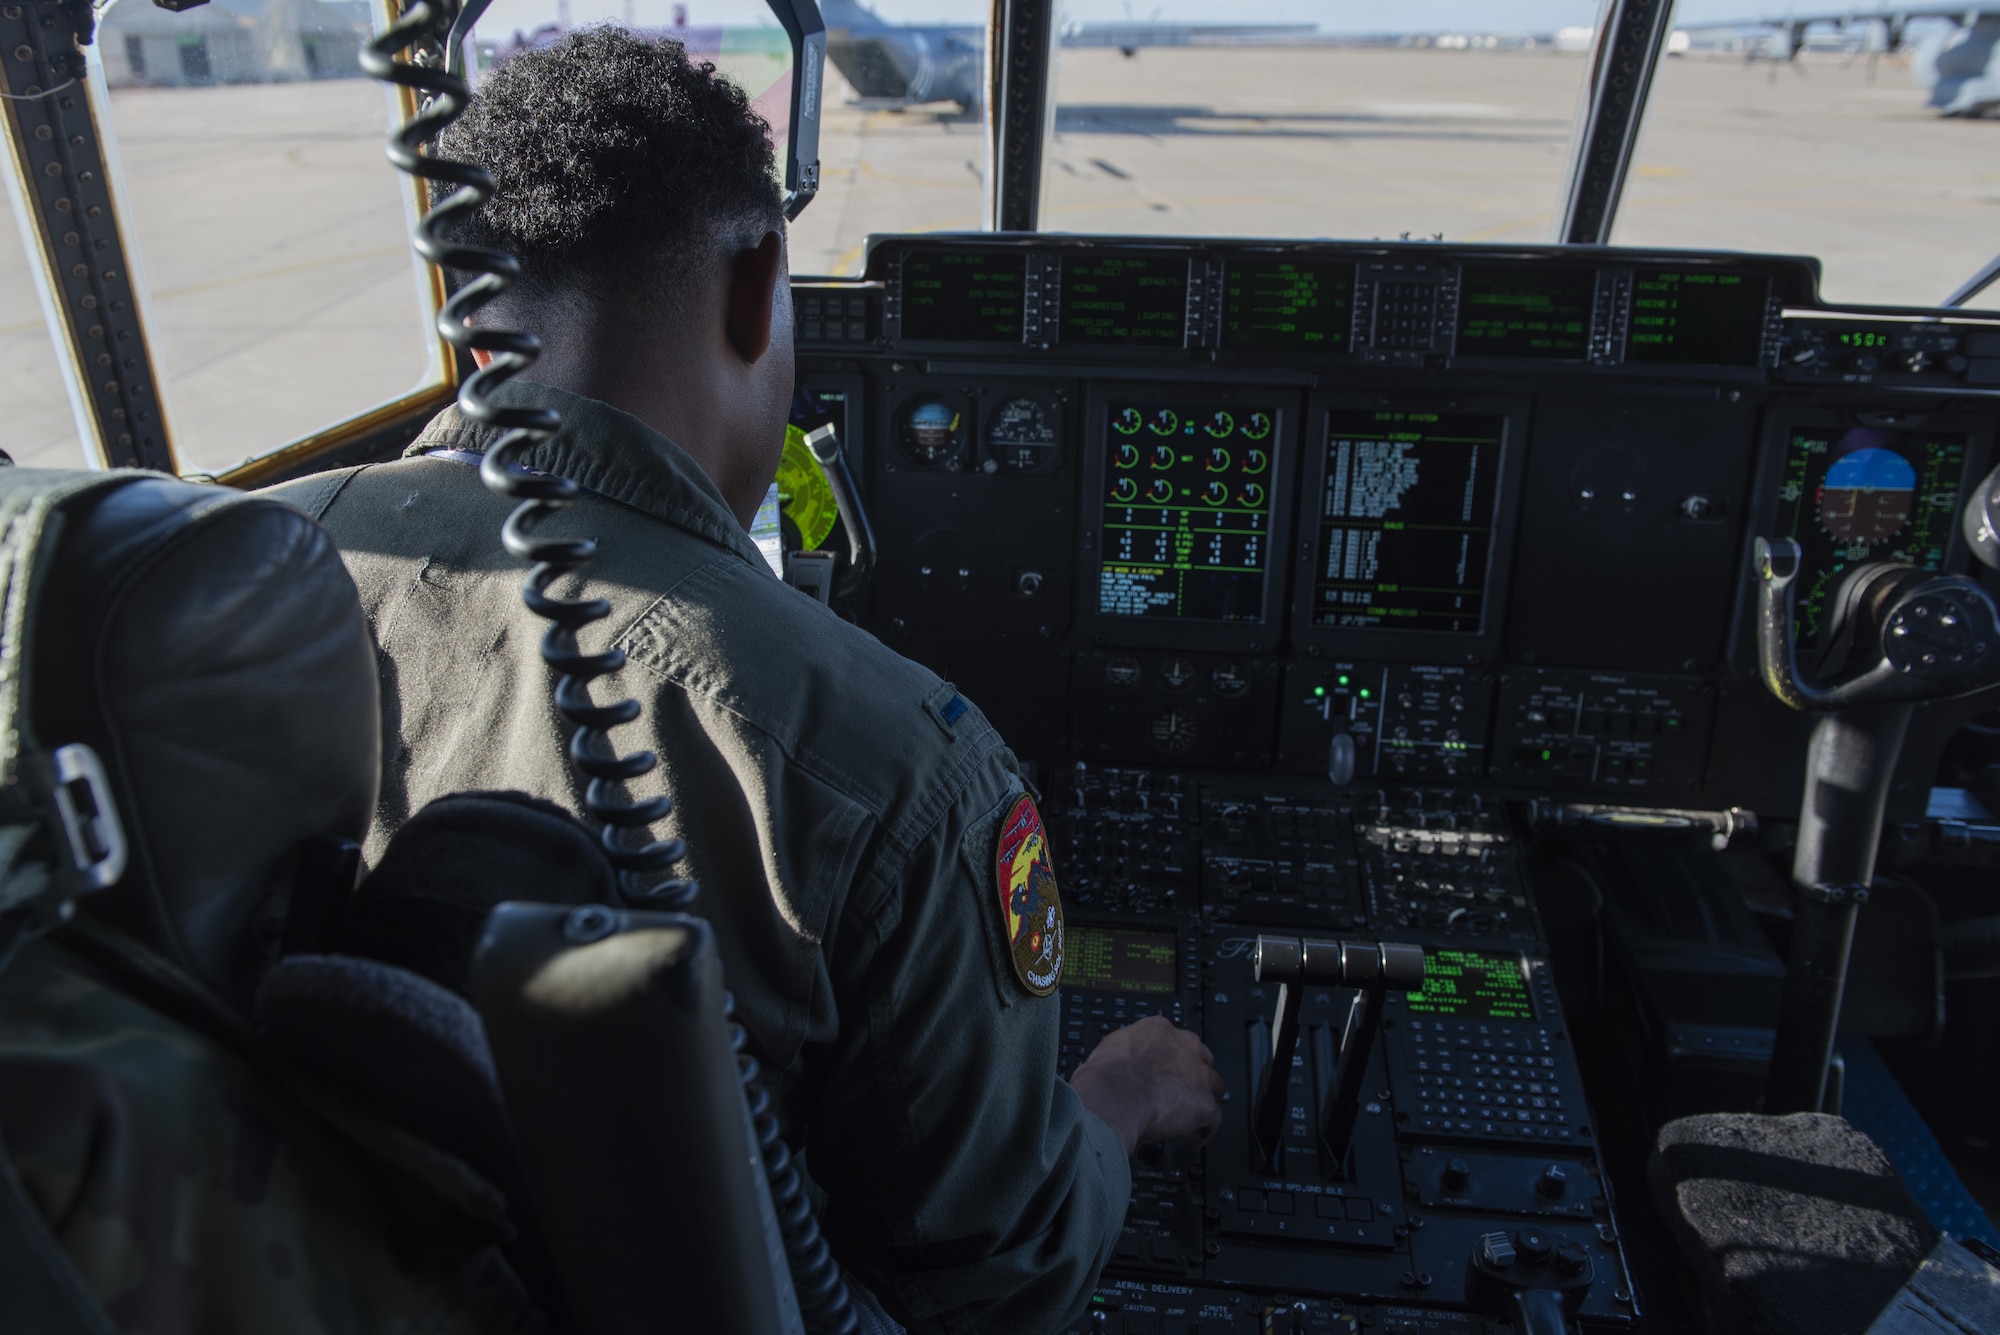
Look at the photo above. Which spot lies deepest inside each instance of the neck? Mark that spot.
(685, 404)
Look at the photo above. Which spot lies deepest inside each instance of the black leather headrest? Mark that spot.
(211, 648)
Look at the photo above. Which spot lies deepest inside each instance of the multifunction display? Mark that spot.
(963, 295)
(1187, 512)
(1697, 316)
(1515, 312)
(1472, 985)
(1288, 306)
(1859, 494)
(1117, 959)
(1406, 520)
(1125, 300)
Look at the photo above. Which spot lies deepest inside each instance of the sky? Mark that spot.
(1370, 16)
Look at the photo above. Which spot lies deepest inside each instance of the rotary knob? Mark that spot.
(1552, 1183)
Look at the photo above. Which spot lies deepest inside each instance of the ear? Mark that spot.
(753, 291)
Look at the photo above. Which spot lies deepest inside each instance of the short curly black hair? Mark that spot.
(615, 153)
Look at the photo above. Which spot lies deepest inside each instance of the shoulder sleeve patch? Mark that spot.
(947, 707)
(1031, 916)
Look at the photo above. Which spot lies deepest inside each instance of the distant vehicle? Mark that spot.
(1956, 59)
(896, 65)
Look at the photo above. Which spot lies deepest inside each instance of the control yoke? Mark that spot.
(1294, 964)
(1914, 635)
(1901, 636)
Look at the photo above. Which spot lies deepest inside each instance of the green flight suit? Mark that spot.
(842, 808)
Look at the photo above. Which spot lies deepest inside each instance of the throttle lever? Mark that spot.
(1295, 963)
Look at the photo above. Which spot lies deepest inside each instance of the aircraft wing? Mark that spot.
(1956, 13)
(1132, 36)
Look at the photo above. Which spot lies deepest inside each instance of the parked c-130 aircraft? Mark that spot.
(1959, 63)
(908, 64)
(1529, 706)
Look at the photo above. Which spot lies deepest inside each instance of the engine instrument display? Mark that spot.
(1125, 300)
(1118, 959)
(1288, 305)
(1023, 434)
(1406, 520)
(1518, 312)
(1472, 985)
(963, 296)
(1850, 495)
(1697, 317)
(1187, 512)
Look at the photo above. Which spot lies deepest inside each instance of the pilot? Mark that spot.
(858, 829)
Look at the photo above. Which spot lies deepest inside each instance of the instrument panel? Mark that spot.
(1285, 569)
(1202, 491)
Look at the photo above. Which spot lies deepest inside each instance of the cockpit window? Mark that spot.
(1351, 121)
(902, 133)
(41, 427)
(270, 235)
(1824, 141)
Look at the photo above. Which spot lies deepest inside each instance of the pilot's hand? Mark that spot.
(1150, 1083)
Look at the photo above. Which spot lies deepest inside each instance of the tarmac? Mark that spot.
(283, 298)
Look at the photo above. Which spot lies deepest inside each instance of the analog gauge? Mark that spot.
(1218, 460)
(1125, 490)
(1164, 422)
(1122, 672)
(1257, 426)
(1127, 455)
(1174, 731)
(1215, 493)
(930, 430)
(1127, 422)
(1253, 495)
(1022, 434)
(1229, 678)
(1221, 424)
(1868, 496)
(1255, 462)
(1177, 674)
(1163, 456)
(1160, 492)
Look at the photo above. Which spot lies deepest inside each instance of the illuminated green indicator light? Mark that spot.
(1364, 692)
(1343, 679)
(1545, 755)
(1319, 692)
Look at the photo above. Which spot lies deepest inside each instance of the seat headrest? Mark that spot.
(211, 648)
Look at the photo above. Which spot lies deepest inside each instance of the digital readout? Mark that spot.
(1187, 512)
(1124, 300)
(1406, 520)
(962, 296)
(1855, 494)
(1535, 313)
(1288, 306)
(1702, 317)
(1117, 959)
(1472, 985)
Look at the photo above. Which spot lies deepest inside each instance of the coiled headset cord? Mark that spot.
(816, 1276)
